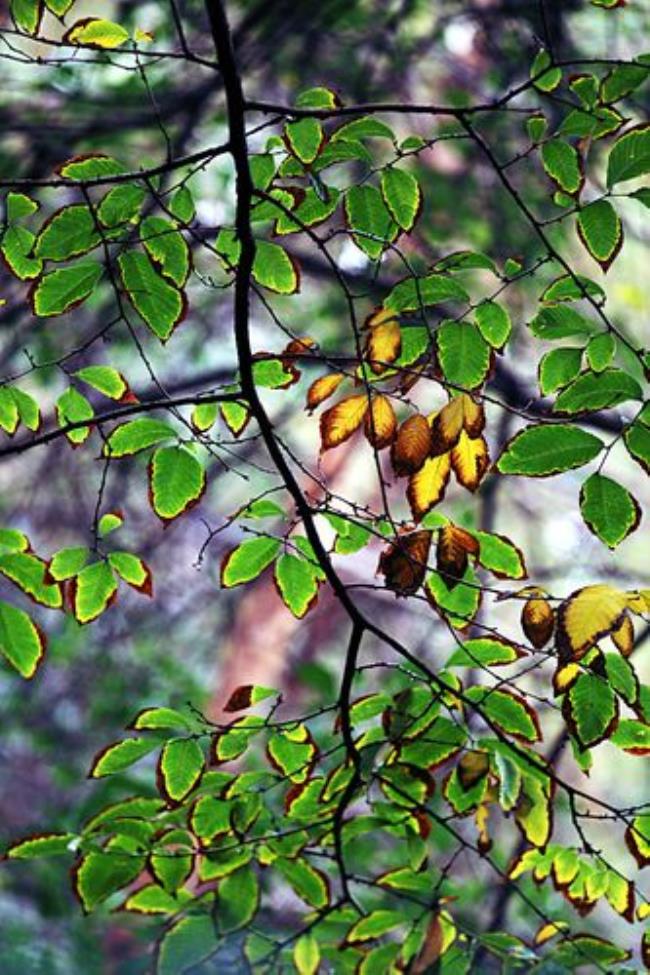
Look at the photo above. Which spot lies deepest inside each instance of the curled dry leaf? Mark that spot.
(339, 422)
(404, 563)
(454, 546)
(412, 445)
(538, 620)
(322, 388)
(380, 422)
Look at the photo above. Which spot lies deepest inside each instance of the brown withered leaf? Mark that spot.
(412, 445)
(431, 949)
(472, 766)
(404, 563)
(538, 621)
(380, 422)
(460, 413)
(341, 420)
(454, 546)
(470, 460)
(322, 388)
(427, 486)
(296, 348)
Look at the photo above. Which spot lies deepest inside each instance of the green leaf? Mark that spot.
(411, 294)
(120, 755)
(509, 712)
(28, 409)
(458, 604)
(27, 14)
(66, 288)
(185, 944)
(72, 407)
(182, 205)
(601, 232)
(136, 435)
(8, 411)
(121, 205)
(41, 845)
(498, 554)
(159, 303)
(542, 450)
(154, 719)
(238, 899)
(637, 441)
(177, 481)
(364, 128)
(67, 562)
(630, 156)
(463, 353)
(19, 205)
(133, 570)
(28, 572)
(95, 587)
(560, 322)
(248, 560)
(402, 196)
(105, 380)
(17, 244)
(374, 925)
(271, 374)
(96, 32)
(12, 541)
(623, 678)
(598, 391)
(94, 165)
(557, 368)
(152, 899)
(318, 97)
(180, 768)
(166, 246)
(211, 818)
(275, 269)
(309, 884)
(304, 138)
(306, 954)
(310, 211)
(494, 323)
(68, 232)
(236, 416)
(204, 416)
(100, 874)
(367, 214)
(600, 351)
(21, 642)
(292, 752)
(562, 163)
(296, 583)
(632, 736)
(545, 80)
(484, 652)
(590, 709)
(608, 509)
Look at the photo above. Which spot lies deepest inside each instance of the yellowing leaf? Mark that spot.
(383, 345)
(623, 637)
(470, 460)
(339, 422)
(538, 621)
(322, 388)
(549, 930)
(404, 564)
(412, 445)
(427, 486)
(95, 32)
(461, 413)
(588, 615)
(454, 546)
(380, 422)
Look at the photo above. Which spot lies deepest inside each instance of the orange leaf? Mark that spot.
(383, 345)
(380, 422)
(454, 545)
(537, 621)
(427, 486)
(470, 460)
(339, 422)
(404, 564)
(461, 413)
(322, 388)
(412, 446)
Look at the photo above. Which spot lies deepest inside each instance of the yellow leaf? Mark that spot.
(454, 545)
(427, 486)
(639, 601)
(95, 32)
(620, 895)
(322, 388)
(481, 818)
(550, 930)
(383, 345)
(623, 637)
(470, 460)
(461, 413)
(412, 446)
(565, 677)
(643, 911)
(339, 422)
(380, 422)
(143, 36)
(588, 615)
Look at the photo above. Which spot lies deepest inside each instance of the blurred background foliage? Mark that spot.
(192, 642)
